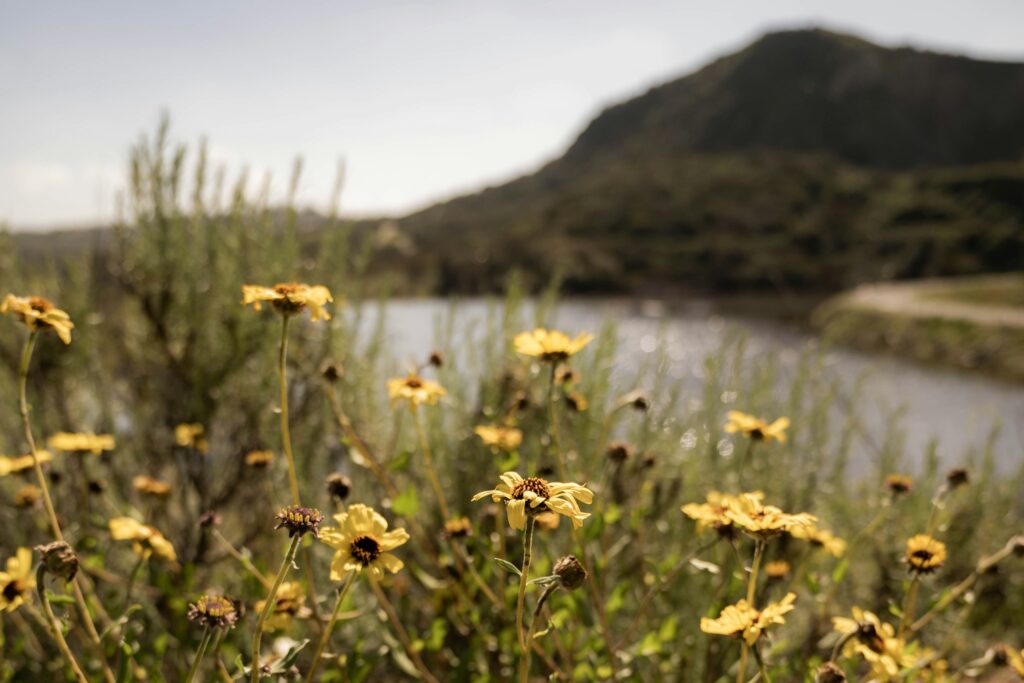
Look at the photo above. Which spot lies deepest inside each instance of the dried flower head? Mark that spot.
(534, 495)
(82, 442)
(39, 313)
(145, 539)
(59, 559)
(290, 298)
(208, 519)
(338, 486)
(27, 496)
(458, 527)
(214, 611)
(550, 346)
(436, 359)
(414, 389)
(332, 371)
(755, 428)
(20, 463)
(743, 620)
(924, 554)
(499, 438)
(150, 486)
(361, 541)
(299, 520)
(958, 477)
(191, 435)
(619, 452)
(571, 574)
(829, 673)
(636, 399)
(259, 459)
(16, 581)
(898, 483)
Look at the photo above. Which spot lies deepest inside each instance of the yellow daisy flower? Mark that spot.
(289, 298)
(504, 438)
(17, 581)
(712, 514)
(289, 603)
(535, 495)
(1004, 655)
(898, 483)
(831, 543)
(875, 642)
(191, 435)
(777, 569)
(145, 539)
(550, 345)
(362, 541)
(148, 485)
(20, 463)
(762, 521)
(756, 428)
(415, 390)
(744, 621)
(259, 458)
(37, 312)
(81, 442)
(924, 554)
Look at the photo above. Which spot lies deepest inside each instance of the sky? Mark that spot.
(422, 100)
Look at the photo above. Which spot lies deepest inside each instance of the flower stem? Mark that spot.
(286, 436)
(556, 434)
(524, 577)
(330, 626)
(51, 513)
(203, 644)
(908, 605)
(755, 568)
(421, 435)
(54, 625)
(524, 668)
(760, 665)
(269, 605)
(242, 559)
(400, 631)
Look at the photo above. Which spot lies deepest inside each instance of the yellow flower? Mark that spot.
(924, 554)
(191, 435)
(832, 544)
(742, 620)
(83, 442)
(145, 539)
(712, 514)
(415, 390)
(290, 298)
(36, 312)
(1004, 655)
(289, 603)
(154, 487)
(550, 345)
(756, 428)
(26, 496)
(777, 569)
(898, 483)
(362, 541)
(505, 438)
(875, 642)
(259, 458)
(17, 581)
(20, 463)
(764, 521)
(535, 495)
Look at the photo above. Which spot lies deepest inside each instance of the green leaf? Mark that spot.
(407, 503)
(59, 599)
(401, 461)
(438, 631)
(508, 566)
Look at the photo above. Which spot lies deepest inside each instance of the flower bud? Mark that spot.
(571, 574)
(59, 559)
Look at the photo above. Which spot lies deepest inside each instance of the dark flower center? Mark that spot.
(868, 634)
(40, 304)
(534, 484)
(922, 555)
(414, 382)
(757, 433)
(365, 549)
(14, 589)
(287, 304)
(553, 356)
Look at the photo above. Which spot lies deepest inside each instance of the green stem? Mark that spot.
(286, 436)
(403, 635)
(908, 605)
(524, 667)
(524, 578)
(760, 665)
(268, 606)
(54, 625)
(435, 482)
(556, 434)
(330, 626)
(754, 570)
(741, 670)
(200, 653)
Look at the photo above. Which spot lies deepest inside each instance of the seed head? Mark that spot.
(571, 574)
(300, 520)
(331, 371)
(829, 673)
(436, 359)
(59, 559)
(338, 486)
(958, 477)
(214, 611)
(619, 452)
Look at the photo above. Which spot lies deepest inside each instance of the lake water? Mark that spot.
(955, 408)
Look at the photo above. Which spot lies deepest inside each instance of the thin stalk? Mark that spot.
(286, 436)
(269, 605)
(524, 577)
(400, 631)
(556, 434)
(741, 670)
(908, 605)
(840, 643)
(474, 574)
(51, 513)
(54, 626)
(421, 435)
(200, 653)
(762, 669)
(325, 638)
(242, 559)
(755, 568)
(524, 668)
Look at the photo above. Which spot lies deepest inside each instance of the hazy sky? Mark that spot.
(422, 99)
